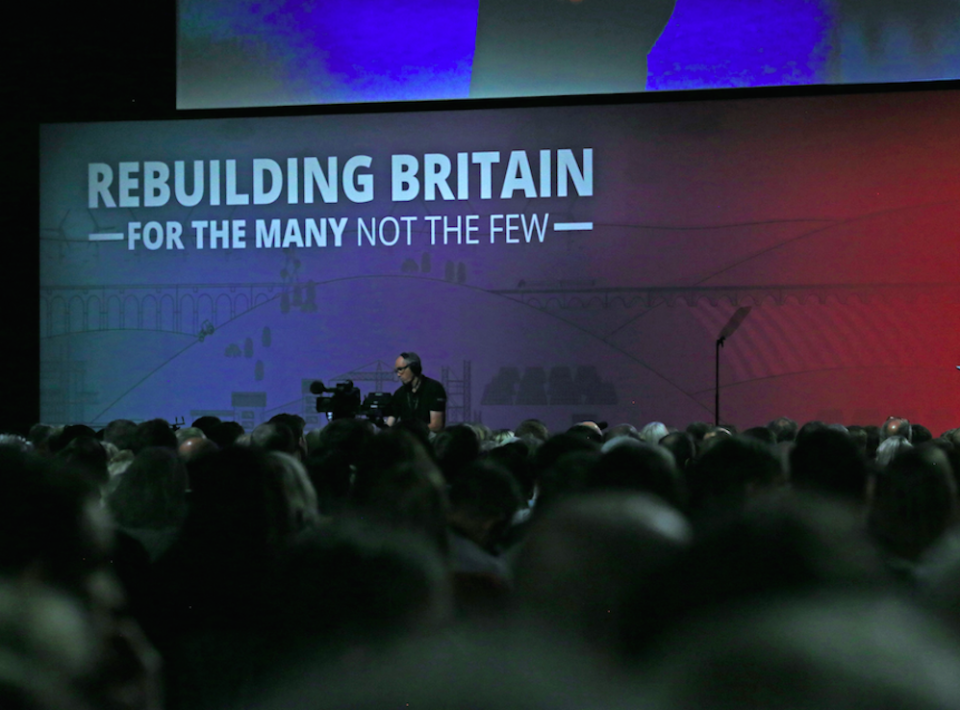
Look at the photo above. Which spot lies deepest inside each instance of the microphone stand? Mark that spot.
(735, 320)
(716, 391)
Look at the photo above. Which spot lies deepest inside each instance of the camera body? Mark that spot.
(342, 401)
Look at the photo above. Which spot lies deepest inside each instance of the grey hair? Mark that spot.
(300, 493)
(890, 448)
(653, 432)
(14, 441)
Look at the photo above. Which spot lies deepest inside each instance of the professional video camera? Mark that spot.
(343, 401)
(375, 405)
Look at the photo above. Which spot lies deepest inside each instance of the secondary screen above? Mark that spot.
(253, 53)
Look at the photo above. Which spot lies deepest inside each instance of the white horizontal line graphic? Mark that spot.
(572, 226)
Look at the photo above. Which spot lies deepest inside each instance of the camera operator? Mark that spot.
(419, 396)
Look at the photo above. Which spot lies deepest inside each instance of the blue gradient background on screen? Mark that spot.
(289, 52)
(340, 51)
(730, 43)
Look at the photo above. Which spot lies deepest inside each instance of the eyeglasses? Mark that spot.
(401, 369)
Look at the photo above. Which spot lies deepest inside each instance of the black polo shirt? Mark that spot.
(408, 405)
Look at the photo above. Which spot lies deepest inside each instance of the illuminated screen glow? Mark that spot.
(561, 263)
(281, 52)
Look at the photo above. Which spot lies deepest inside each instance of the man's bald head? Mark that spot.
(895, 426)
(193, 447)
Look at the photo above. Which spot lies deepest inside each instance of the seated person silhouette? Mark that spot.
(558, 47)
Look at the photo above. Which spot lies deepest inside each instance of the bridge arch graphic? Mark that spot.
(157, 307)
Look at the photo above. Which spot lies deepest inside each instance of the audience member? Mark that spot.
(590, 431)
(919, 434)
(190, 432)
(15, 441)
(483, 502)
(349, 436)
(456, 447)
(953, 456)
(829, 462)
(241, 512)
(809, 428)
(562, 466)
(398, 485)
(86, 455)
(351, 585)
(117, 465)
(683, 448)
(149, 500)
(784, 429)
(275, 436)
(640, 467)
(534, 428)
(621, 430)
(333, 459)
(515, 458)
(206, 424)
(731, 473)
(698, 430)
(225, 434)
(47, 648)
(713, 436)
(762, 434)
(896, 426)
(193, 447)
(296, 423)
(889, 448)
(482, 432)
(54, 532)
(570, 573)
(850, 652)
(64, 436)
(873, 440)
(859, 437)
(156, 432)
(653, 432)
(911, 504)
(468, 668)
(40, 435)
(120, 433)
(497, 438)
(776, 549)
(421, 432)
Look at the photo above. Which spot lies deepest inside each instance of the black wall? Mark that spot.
(66, 62)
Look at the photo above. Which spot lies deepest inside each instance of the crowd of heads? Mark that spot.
(145, 566)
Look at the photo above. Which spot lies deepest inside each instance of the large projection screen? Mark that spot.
(561, 263)
(246, 53)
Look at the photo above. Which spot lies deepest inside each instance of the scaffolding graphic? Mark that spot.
(459, 391)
